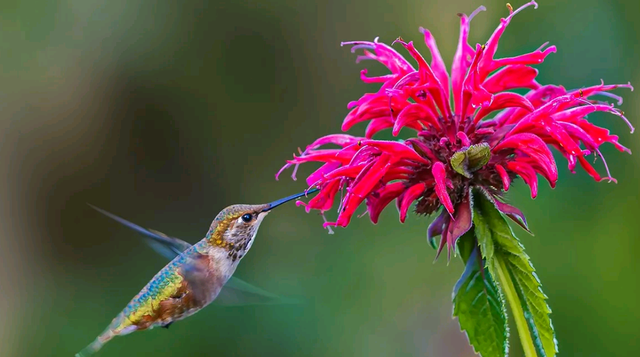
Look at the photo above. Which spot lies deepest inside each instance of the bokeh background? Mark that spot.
(164, 112)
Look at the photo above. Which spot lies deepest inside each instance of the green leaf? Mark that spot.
(479, 307)
(534, 304)
(483, 234)
(491, 226)
(466, 245)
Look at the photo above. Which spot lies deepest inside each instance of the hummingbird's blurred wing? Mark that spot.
(234, 293)
(167, 246)
(170, 247)
(238, 292)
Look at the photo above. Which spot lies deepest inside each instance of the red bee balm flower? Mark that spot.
(472, 132)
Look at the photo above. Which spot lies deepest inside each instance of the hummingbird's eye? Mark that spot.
(247, 217)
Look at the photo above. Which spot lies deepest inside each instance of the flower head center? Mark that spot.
(467, 158)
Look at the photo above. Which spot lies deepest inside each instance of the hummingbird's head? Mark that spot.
(235, 226)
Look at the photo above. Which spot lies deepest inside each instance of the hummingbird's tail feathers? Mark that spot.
(91, 349)
(97, 344)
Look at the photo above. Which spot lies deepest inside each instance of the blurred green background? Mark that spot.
(165, 112)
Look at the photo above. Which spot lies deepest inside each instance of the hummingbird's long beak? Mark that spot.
(277, 203)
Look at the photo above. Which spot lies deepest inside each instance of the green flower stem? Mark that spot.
(516, 308)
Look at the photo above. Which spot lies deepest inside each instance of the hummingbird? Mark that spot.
(196, 276)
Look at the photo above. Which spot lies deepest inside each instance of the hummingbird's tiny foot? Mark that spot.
(167, 325)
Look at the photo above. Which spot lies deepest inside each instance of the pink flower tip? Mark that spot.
(329, 224)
